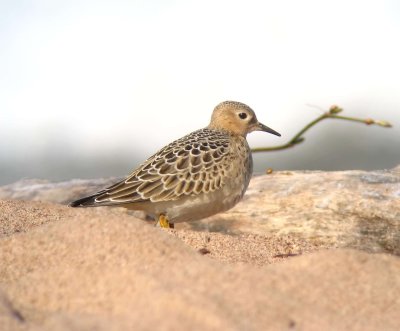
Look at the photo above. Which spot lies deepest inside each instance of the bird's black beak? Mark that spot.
(262, 127)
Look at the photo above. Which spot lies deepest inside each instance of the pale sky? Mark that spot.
(109, 75)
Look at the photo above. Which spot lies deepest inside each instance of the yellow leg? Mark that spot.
(164, 222)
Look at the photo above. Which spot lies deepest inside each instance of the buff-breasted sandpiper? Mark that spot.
(199, 175)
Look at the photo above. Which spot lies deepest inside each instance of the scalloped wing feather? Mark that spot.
(197, 163)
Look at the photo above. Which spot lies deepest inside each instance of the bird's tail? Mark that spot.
(89, 201)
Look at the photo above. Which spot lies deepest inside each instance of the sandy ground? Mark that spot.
(101, 269)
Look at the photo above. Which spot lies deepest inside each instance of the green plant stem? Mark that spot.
(298, 138)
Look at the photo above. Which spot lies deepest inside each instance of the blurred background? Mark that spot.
(91, 88)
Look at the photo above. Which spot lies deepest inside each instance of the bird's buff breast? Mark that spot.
(194, 207)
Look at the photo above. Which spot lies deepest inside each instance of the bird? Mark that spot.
(194, 177)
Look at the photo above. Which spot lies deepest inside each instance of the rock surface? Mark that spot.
(352, 209)
(102, 269)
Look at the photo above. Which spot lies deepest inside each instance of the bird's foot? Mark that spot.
(164, 222)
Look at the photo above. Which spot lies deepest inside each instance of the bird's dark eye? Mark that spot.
(243, 116)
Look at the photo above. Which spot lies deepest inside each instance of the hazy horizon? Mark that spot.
(90, 89)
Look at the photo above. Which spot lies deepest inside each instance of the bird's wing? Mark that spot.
(197, 163)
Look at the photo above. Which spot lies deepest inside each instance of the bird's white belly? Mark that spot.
(200, 206)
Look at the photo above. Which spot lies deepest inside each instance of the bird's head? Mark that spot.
(237, 118)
